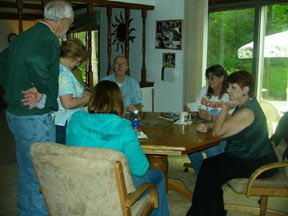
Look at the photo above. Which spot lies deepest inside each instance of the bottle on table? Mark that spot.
(135, 122)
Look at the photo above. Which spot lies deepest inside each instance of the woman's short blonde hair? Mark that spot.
(106, 98)
(74, 48)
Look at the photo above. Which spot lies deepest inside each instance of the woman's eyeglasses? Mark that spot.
(211, 78)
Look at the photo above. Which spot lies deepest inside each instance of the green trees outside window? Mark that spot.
(229, 30)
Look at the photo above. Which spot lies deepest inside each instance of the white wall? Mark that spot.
(135, 49)
(168, 95)
(10, 26)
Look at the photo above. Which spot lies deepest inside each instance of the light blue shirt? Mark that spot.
(130, 90)
(68, 84)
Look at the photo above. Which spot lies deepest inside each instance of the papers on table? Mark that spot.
(170, 116)
(142, 135)
(179, 122)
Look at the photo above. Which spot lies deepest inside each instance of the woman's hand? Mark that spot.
(202, 128)
(187, 109)
(203, 114)
(231, 104)
(86, 94)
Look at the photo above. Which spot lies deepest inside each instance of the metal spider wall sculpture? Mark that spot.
(119, 32)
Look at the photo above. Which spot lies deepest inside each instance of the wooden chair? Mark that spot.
(86, 181)
(275, 186)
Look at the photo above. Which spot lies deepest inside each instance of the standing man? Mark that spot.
(129, 87)
(32, 60)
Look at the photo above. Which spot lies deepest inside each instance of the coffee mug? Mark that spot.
(184, 117)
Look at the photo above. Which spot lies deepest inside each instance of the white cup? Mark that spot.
(184, 117)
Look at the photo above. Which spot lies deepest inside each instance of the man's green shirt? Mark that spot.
(32, 59)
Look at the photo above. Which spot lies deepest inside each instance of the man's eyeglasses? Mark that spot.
(71, 22)
(120, 64)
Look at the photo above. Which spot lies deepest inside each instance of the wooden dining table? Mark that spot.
(166, 138)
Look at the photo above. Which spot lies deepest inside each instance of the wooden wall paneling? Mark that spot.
(20, 12)
(127, 21)
(44, 2)
(89, 42)
(143, 70)
(109, 15)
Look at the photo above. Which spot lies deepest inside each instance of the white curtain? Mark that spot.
(195, 47)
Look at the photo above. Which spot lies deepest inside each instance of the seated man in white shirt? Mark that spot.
(130, 88)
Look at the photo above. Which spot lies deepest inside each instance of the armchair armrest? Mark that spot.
(133, 197)
(262, 169)
(127, 200)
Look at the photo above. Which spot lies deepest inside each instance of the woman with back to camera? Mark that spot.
(248, 147)
(207, 106)
(104, 126)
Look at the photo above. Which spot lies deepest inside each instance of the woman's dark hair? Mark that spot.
(106, 98)
(243, 78)
(74, 48)
(217, 70)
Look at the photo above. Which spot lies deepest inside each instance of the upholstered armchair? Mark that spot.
(89, 181)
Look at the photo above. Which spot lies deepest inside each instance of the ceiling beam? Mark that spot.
(15, 16)
(25, 6)
(104, 3)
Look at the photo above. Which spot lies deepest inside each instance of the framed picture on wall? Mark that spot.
(169, 34)
(168, 60)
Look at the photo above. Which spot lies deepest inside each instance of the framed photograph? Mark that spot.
(168, 60)
(169, 34)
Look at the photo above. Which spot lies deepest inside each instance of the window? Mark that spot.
(234, 29)
(275, 70)
(229, 30)
(94, 56)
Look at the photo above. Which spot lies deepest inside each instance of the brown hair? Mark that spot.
(74, 48)
(243, 78)
(106, 98)
(217, 70)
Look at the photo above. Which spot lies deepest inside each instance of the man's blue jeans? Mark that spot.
(27, 130)
(197, 158)
(156, 177)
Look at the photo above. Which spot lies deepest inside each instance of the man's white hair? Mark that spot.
(57, 10)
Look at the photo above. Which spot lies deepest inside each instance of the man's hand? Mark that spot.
(31, 97)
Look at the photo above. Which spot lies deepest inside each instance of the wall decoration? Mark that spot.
(119, 32)
(11, 37)
(168, 60)
(169, 34)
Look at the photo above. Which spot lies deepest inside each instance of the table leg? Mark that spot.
(161, 162)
